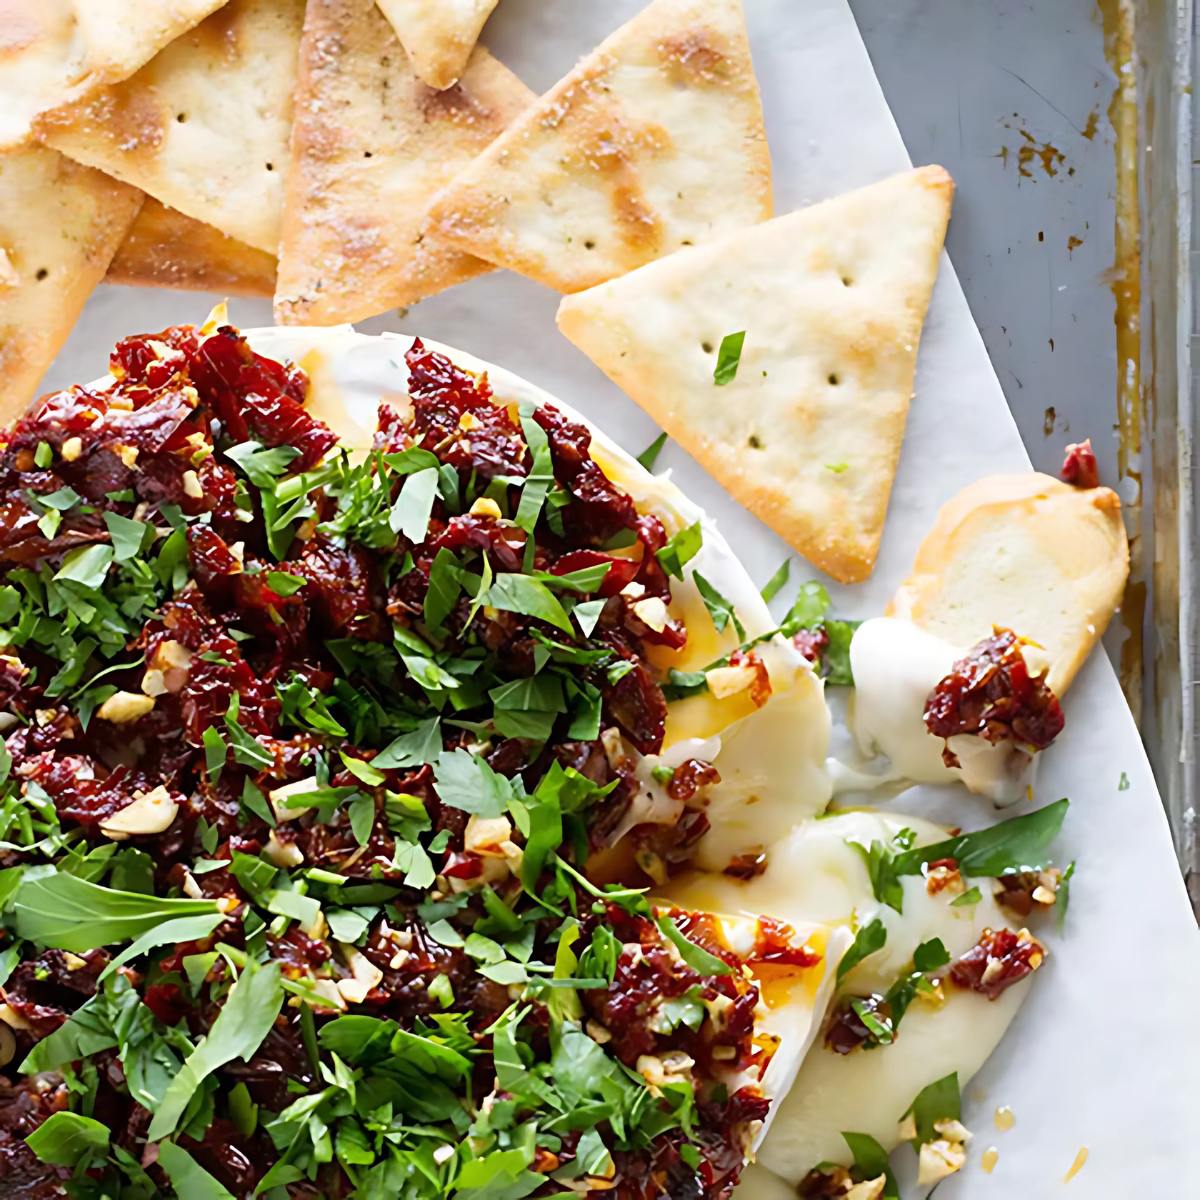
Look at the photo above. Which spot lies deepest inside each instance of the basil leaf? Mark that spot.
(776, 584)
(940, 1101)
(128, 536)
(283, 584)
(410, 513)
(728, 357)
(67, 1139)
(68, 913)
(696, 957)
(414, 749)
(528, 596)
(867, 940)
(170, 932)
(871, 1161)
(719, 609)
(1018, 844)
(260, 465)
(969, 897)
(541, 472)
(587, 615)
(464, 781)
(86, 565)
(445, 587)
(680, 550)
(881, 870)
(649, 456)
(244, 1021)
(188, 1177)
(1063, 897)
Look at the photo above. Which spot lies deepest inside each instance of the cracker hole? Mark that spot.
(754, 442)
(833, 380)
(181, 117)
(847, 281)
(270, 166)
(589, 244)
(707, 347)
(368, 154)
(42, 272)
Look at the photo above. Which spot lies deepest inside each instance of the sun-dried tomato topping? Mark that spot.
(689, 777)
(811, 643)
(1079, 467)
(998, 960)
(846, 1031)
(746, 866)
(991, 694)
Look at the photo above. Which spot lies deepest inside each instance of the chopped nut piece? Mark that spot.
(486, 835)
(652, 612)
(366, 976)
(728, 681)
(192, 486)
(122, 707)
(282, 854)
(869, 1189)
(127, 454)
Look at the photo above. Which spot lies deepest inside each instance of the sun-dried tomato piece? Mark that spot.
(998, 960)
(341, 588)
(504, 545)
(846, 1030)
(991, 694)
(635, 702)
(1079, 467)
(812, 643)
(690, 776)
(257, 398)
(621, 571)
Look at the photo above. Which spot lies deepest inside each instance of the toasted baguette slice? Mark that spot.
(1028, 553)
(438, 35)
(60, 224)
(166, 249)
(831, 300)
(55, 51)
(654, 141)
(204, 126)
(370, 147)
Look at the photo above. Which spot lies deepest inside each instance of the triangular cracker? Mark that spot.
(204, 126)
(831, 299)
(60, 224)
(438, 35)
(166, 249)
(371, 145)
(55, 51)
(653, 142)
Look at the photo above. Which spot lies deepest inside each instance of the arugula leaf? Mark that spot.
(681, 549)
(67, 913)
(528, 596)
(695, 956)
(410, 513)
(649, 456)
(719, 609)
(870, 938)
(244, 1021)
(188, 1177)
(940, 1101)
(465, 781)
(413, 749)
(1018, 844)
(67, 1139)
(728, 357)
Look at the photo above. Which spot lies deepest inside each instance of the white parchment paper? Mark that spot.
(1106, 1054)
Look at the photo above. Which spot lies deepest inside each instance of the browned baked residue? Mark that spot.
(1049, 417)
(691, 58)
(1092, 125)
(1073, 243)
(1031, 151)
(1124, 281)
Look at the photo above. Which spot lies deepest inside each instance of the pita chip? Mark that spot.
(55, 51)
(60, 224)
(371, 146)
(806, 429)
(204, 126)
(653, 142)
(438, 35)
(166, 249)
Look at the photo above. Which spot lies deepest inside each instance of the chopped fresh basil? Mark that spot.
(970, 896)
(729, 356)
(778, 581)
(940, 1101)
(649, 456)
(869, 938)
(681, 549)
(719, 609)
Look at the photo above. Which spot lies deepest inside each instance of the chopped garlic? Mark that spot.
(150, 812)
(282, 854)
(71, 449)
(486, 507)
(122, 707)
(728, 681)
(652, 613)
(939, 1160)
(486, 835)
(366, 976)
(869, 1189)
(192, 486)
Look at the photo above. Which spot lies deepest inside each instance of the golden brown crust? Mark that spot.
(166, 249)
(438, 35)
(370, 147)
(1028, 553)
(60, 224)
(832, 300)
(654, 141)
(203, 127)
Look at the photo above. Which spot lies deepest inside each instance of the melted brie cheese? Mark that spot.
(896, 666)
